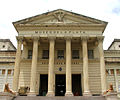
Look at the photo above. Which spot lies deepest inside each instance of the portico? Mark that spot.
(51, 72)
(60, 48)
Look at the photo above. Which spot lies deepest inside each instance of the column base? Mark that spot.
(50, 94)
(87, 93)
(6, 96)
(15, 93)
(68, 94)
(111, 96)
(31, 94)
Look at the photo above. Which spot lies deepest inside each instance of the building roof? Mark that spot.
(115, 40)
(8, 40)
(59, 14)
(58, 10)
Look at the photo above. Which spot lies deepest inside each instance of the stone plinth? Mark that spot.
(112, 96)
(6, 96)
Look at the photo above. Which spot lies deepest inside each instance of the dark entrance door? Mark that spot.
(60, 87)
(43, 85)
(76, 84)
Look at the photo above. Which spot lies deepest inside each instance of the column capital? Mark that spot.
(19, 38)
(84, 38)
(52, 38)
(68, 37)
(35, 38)
(100, 38)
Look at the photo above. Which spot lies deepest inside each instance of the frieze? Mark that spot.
(58, 33)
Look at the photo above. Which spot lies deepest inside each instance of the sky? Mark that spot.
(106, 10)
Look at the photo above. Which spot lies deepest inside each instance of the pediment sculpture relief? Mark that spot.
(59, 16)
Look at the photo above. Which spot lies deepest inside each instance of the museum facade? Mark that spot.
(62, 55)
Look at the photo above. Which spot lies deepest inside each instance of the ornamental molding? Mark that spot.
(20, 38)
(100, 38)
(84, 38)
(35, 38)
(59, 16)
(51, 38)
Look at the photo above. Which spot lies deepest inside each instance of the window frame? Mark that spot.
(60, 55)
(90, 54)
(78, 55)
(30, 54)
(44, 55)
(110, 72)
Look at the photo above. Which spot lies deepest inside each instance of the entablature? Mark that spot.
(92, 40)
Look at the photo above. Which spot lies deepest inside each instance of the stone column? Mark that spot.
(116, 79)
(51, 68)
(68, 68)
(102, 64)
(85, 67)
(17, 64)
(34, 67)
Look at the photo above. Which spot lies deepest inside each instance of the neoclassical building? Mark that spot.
(62, 54)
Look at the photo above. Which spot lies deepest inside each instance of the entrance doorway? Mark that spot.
(76, 85)
(43, 85)
(60, 86)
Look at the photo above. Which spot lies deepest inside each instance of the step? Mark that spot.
(59, 98)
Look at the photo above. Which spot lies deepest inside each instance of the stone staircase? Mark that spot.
(59, 98)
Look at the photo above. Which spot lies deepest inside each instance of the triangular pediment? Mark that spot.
(59, 16)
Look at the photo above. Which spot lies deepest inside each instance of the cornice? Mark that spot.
(59, 24)
(29, 28)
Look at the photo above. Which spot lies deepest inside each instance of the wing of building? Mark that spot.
(112, 62)
(7, 61)
(63, 55)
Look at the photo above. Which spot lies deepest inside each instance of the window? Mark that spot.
(29, 54)
(75, 54)
(60, 54)
(45, 54)
(90, 54)
(118, 71)
(9, 72)
(110, 71)
(107, 72)
(2, 71)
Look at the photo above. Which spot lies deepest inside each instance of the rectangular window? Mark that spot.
(90, 54)
(9, 71)
(107, 72)
(110, 71)
(118, 71)
(29, 54)
(45, 54)
(75, 54)
(60, 54)
(3, 71)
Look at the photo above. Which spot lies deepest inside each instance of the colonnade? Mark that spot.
(51, 66)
